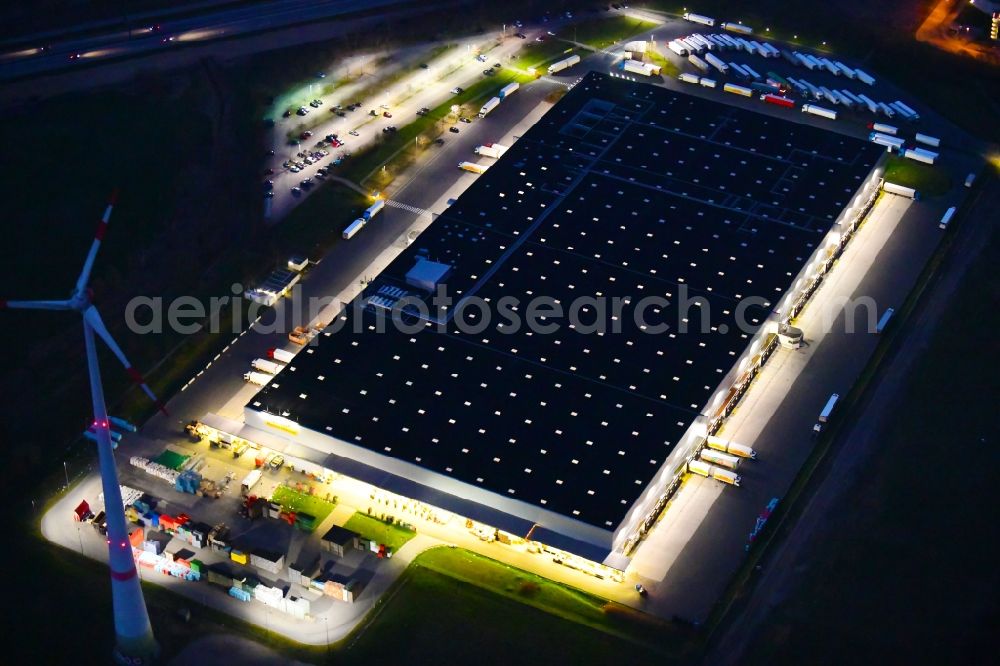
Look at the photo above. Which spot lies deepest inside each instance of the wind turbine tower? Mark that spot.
(134, 634)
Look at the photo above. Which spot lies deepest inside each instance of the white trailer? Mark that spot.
(472, 166)
(772, 52)
(493, 103)
(687, 77)
(870, 103)
(738, 68)
(857, 101)
(698, 18)
(270, 367)
(806, 62)
(373, 210)
(565, 63)
(884, 320)
(257, 378)
(281, 355)
(759, 49)
(887, 110)
(970, 179)
(824, 416)
(845, 70)
(707, 83)
(494, 150)
(726, 476)
(703, 42)
(693, 46)
(644, 68)
(719, 458)
(726, 446)
(716, 63)
(905, 110)
(737, 27)
(946, 218)
(738, 90)
(249, 481)
(675, 46)
(921, 155)
(814, 91)
(828, 95)
(791, 58)
(752, 72)
(817, 62)
(698, 62)
(893, 142)
(353, 228)
(508, 90)
(864, 78)
(719, 42)
(900, 190)
(829, 66)
(927, 140)
(819, 111)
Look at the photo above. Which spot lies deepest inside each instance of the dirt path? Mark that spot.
(778, 575)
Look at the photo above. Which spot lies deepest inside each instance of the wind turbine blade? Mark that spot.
(93, 318)
(35, 305)
(102, 228)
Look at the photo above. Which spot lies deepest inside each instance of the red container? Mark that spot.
(778, 100)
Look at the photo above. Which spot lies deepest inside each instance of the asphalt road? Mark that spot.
(45, 57)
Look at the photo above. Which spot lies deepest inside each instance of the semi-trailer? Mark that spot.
(921, 155)
(970, 179)
(870, 103)
(893, 142)
(946, 218)
(790, 57)
(738, 90)
(687, 77)
(737, 27)
(764, 88)
(698, 62)
(824, 416)
(270, 367)
(927, 140)
(900, 190)
(705, 469)
(804, 59)
(883, 128)
(887, 110)
(720, 459)
(843, 99)
(508, 90)
(281, 355)
(257, 378)
(719, 42)
(760, 50)
(845, 70)
(907, 109)
(373, 210)
(778, 100)
(864, 78)
(473, 167)
(494, 150)
(704, 41)
(829, 66)
(698, 18)
(716, 63)
(726, 446)
(707, 83)
(493, 103)
(884, 320)
(739, 71)
(817, 62)
(565, 63)
(772, 51)
(828, 96)
(857, 101)
(249, 481)
(353, 228)
(819, 111)
(676, 47)
(691, 45)
(779, 80)
(752, 72)
(644, 68)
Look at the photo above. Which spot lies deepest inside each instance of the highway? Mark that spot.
(34, 59)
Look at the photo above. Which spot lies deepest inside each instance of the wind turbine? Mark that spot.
(133, 632)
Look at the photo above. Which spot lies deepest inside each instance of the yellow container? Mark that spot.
(237, 556)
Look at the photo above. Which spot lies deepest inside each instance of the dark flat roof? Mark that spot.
(621, 190)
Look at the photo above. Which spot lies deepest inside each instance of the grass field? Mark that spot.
(600, 32)
(293, 500)
(540, 55)
(927, 179)
(436, 618)
(393, 536)
(902, 573)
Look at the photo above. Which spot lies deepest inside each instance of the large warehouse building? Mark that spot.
(623, 197)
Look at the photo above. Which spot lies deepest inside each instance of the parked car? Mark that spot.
(453, 129)
(457, 91)
(463, 119)
(296, 191)
(387, 114)
(353, 133)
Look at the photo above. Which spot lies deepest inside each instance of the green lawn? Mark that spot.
(433, 618)
(540, 55)
(929, 180)
(292, 500)
(393, 536)
(601, 32)
(667, 67)
(543, 594)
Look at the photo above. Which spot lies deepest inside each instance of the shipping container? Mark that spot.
(900, 190)
(928, 140)
(920, 155)
(946, 218)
